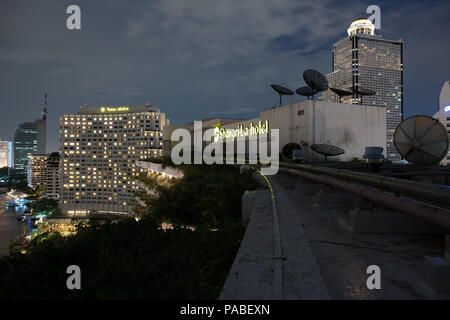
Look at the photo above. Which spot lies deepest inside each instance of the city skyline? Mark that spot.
(148, 53)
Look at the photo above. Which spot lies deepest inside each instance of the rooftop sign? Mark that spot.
(222, 133)
(118, 109)
(114, 109)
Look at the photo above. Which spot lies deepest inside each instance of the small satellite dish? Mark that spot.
(307, 91)
(282, 91)
(327, 150)
(315, 80)
(341, 93)
(363, 91)
(288, 149)
(421, 140)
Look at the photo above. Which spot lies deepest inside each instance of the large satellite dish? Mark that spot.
(421, 140)
(307, 91)
(315, 80)
(327, 150)
(361, 91)
(282, 91)
(341, 93)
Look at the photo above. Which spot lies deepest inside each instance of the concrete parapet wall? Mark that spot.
(251, 274)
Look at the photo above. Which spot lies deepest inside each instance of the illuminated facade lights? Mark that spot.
(37, 166)
(99, 149)
(6, 154)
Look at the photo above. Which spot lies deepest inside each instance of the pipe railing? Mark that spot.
(433, 214)
(425, 191)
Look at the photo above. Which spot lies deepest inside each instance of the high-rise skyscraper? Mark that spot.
(365, 60)
(99, 149)
(30, 138)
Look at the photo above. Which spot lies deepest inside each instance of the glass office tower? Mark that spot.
(365, 60)
(29, 139)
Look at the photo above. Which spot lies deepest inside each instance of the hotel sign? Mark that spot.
(222, 133)
(114, 109)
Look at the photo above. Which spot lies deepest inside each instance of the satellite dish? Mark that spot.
(327, 150)
(307, 91)
(315, 80)
(282, 91)
(363, 91)
(421, 140)
(288, 149)
(341, 93)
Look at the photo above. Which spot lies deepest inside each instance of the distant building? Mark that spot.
(52, 176)
(444, 114)
(365, 60)
(29, 138)
(99, 149)
(6, 154)
(37, 164)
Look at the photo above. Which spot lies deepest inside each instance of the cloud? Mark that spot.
(194, 57)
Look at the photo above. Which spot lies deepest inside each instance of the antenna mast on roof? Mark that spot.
(44, 113)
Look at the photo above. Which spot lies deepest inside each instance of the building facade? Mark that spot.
(37, 164)
(29, 139)
(444, 115)
(52, 176)
(364, 60)
(99, 149)
(6, 154)
(348, 126)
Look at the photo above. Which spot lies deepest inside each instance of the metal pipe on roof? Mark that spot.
(433, 214)
(426, 191)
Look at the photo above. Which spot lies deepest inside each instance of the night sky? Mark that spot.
(196, 58)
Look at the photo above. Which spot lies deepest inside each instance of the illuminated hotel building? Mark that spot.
(366, 60)
(444, 114)
(37, 164)
(99, 149)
